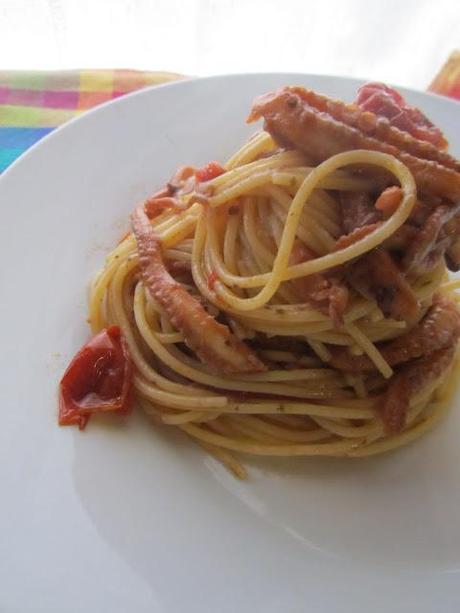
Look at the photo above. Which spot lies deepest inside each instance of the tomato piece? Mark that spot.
(387, 102)
(208, 172)
(212, 278)
(98, 379)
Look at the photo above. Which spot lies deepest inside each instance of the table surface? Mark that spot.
(401, 42)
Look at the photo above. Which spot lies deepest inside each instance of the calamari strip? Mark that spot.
(300, 119)
(412, 378)
(440, 328)
(211, 341)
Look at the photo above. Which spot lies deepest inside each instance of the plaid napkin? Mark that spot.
(447, 81)
(34, 103)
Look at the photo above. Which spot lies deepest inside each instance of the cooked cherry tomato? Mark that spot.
(387, 102)
(97, 379)
(210, 171)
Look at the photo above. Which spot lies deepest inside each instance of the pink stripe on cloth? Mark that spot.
(60, 100)
(33, 97)
(22, 97)
(4, 95)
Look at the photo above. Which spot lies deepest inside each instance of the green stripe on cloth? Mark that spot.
(33, 116)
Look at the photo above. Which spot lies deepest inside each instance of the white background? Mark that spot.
(400, 41)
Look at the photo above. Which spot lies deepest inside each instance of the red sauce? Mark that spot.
(208, 172)
(212, 278)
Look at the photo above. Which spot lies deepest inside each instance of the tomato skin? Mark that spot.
(208, 172)
(387, 102)
(98, 379)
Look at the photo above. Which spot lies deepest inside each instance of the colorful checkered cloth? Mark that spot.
(32, 104)
(447, 81)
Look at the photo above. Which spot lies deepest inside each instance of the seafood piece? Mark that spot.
(211, 341)
(182, 179)
(440, 328)
(185, 181)
(451, 231)
(346, 240)
(389, 200)
(430, 233)
(377, 277)
(158, 203)
(431, 241)
(412, 378)
(324, 292)
(368, 123)
(178, 267)
(357, 209)
(320, 127)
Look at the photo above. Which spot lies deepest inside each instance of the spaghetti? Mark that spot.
(248, 258)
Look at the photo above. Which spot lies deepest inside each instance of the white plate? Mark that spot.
(132, 518)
